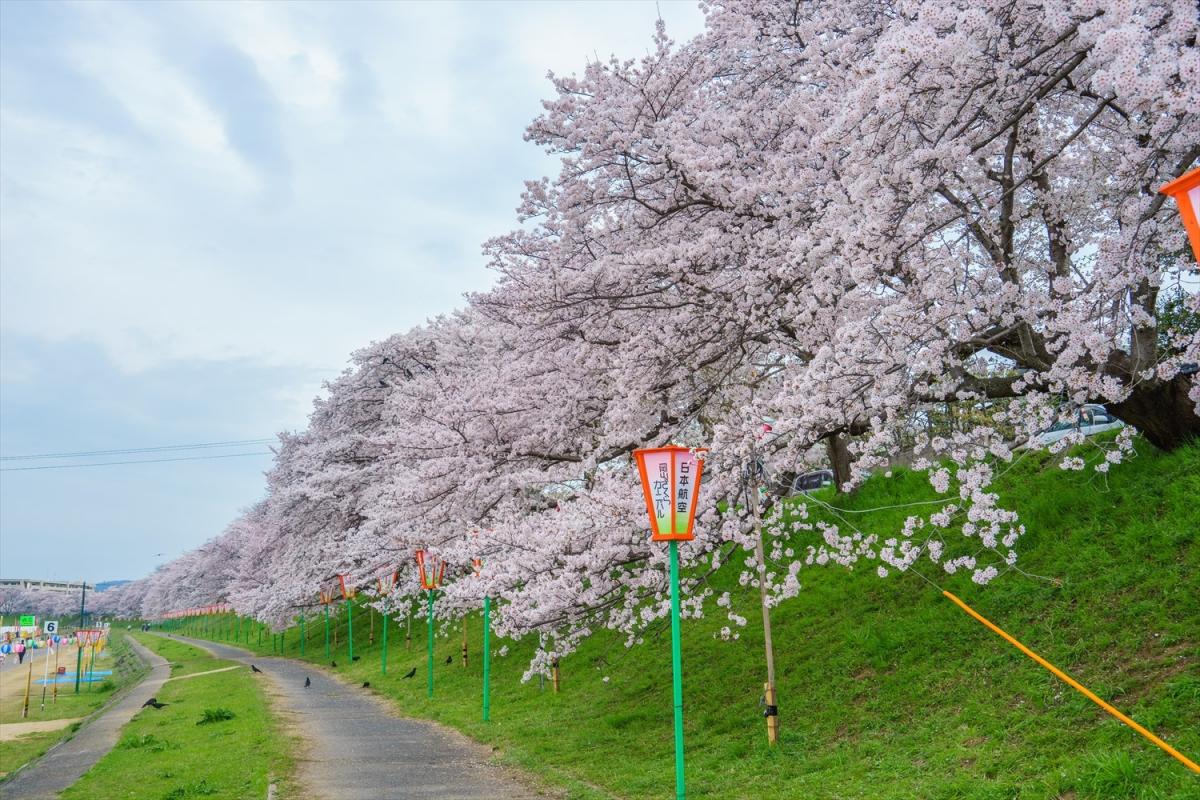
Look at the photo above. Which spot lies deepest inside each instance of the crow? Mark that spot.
(333, 664)
(366, 684)
(449, 659)
(153, 703)
(307, 682)
(356, 658)
(254, 668)
(411, 672)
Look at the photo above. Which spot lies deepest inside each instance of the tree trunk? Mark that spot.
(839, 459)
(1162, 412)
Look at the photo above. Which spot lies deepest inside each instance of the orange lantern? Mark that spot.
(387, 582)
(1186, 191)
(671, 484)
(348, 592)
(432, 569)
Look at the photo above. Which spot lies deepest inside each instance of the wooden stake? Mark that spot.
(28, 685)
(408, 634)
(554, 675)
(772, 709)
(464, 646)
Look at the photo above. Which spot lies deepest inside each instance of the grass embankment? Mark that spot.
(887, 690)
(216, 737)
(126, 669)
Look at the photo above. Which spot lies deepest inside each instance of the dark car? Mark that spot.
(812, 480)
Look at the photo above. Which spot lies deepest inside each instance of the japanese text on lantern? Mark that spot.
(662, 492)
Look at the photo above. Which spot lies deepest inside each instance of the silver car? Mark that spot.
(1091, 419)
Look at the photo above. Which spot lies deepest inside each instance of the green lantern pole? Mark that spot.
(327, 651)
(430, 689)
(383, 653)
(487, 658)
(350, 629)
(677, 671)
(301, 634)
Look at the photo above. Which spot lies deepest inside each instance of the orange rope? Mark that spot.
(1077, 686)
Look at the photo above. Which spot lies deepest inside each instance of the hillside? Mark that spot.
(887, 690)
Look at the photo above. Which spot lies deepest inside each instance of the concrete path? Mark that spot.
(357, 748)
(66, 762)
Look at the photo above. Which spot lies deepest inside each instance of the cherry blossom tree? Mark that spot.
(829, 216)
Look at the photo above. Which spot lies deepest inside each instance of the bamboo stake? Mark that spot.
(28, 686)
(772, 710)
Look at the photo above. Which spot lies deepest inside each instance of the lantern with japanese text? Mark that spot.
(1186, 191)
(432, 570)
(671, 484)
(387, 581)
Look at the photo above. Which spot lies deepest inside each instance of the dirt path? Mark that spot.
(357, 748)
(12, 730)
(66, 762)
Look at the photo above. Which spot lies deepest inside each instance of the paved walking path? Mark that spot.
(357, 748)
(66, 762)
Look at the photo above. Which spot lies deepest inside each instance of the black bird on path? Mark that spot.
(411, 672)
(449, 659)
(254, 668)
(307, 682)
(153, 703)
(366, 684)
(333, 664)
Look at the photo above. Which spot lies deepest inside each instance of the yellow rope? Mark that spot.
(1077, 686)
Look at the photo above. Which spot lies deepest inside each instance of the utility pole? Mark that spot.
(79, 649)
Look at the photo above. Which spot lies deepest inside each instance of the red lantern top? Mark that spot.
(432, 569)
(348, 592)
(477, 565)
(1186, 191)
(671, 483)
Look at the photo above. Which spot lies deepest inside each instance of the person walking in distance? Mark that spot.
(19, 647)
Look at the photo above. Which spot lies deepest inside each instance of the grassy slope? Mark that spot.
(163, 754)
(886, 689)
(126, 668)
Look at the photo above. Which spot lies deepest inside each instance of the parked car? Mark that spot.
(803, 484)
(1089, 420)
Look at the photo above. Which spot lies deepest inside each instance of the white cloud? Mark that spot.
(341, 199)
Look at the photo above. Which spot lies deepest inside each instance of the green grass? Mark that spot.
(886, 689)
(216, 738)
(126, 667)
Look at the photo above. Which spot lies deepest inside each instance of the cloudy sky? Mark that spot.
(205, 207)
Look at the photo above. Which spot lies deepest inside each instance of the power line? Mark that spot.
(131, 450)
(141, 461)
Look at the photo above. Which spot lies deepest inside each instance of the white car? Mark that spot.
(1091, 419)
